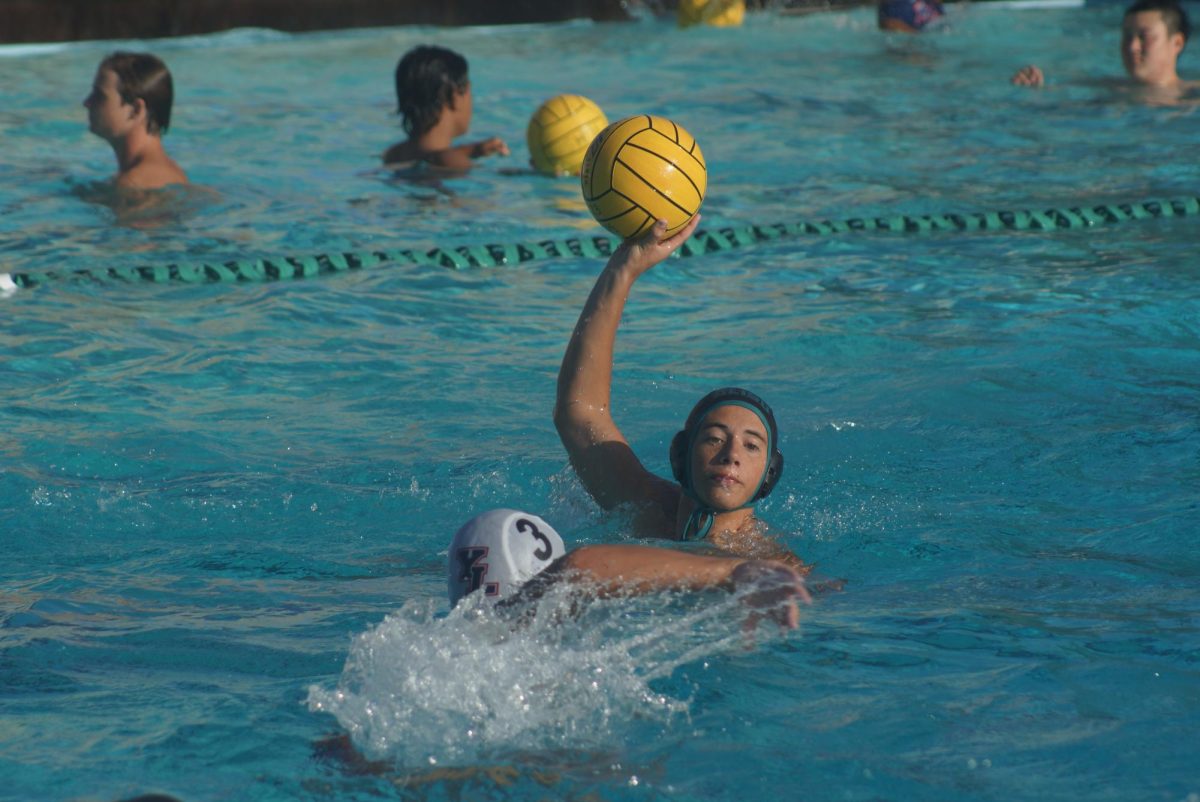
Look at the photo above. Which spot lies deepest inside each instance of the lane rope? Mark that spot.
(706, 241)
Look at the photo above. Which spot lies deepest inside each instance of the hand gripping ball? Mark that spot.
(641, 169)
(560, 131)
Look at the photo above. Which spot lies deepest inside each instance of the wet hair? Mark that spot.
(144, 76)
(1175, 18)
(427, 78)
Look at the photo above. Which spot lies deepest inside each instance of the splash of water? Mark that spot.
(428, 689)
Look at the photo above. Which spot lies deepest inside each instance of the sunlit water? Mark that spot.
(224, 509)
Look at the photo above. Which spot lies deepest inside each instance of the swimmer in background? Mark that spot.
(433, 93)
(1153, 34)
(130, 108)
(908, 16)
(724, 461)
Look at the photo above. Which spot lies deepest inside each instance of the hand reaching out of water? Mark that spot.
(1029, 76)
(770, 590)
(489, 147)
(639, 254)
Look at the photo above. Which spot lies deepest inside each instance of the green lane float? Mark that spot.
(705, 241)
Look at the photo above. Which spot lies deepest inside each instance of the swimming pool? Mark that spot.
(213, 496)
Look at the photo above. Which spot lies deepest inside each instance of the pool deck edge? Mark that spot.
(45, 21)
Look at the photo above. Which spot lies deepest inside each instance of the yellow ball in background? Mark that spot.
(560, 131)
(721, 13)
(641, 169)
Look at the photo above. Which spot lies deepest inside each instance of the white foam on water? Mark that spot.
(425, 689)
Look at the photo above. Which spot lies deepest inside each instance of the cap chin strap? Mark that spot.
(700, 521)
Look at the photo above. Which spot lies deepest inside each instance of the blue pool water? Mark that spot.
(224, 508)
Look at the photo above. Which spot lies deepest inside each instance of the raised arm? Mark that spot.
(599, 452)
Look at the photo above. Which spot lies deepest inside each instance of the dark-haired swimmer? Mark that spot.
(724, 460)
(908, 16)
(1153, 35)
(433, 93)
(129, 107)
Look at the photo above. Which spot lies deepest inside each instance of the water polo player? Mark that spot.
(724, 460)
(129, 107)
(908, 16)
(515, 560)
(513, 557)
(433, 94)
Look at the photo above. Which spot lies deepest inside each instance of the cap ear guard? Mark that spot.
(774, 471)
(679, 447)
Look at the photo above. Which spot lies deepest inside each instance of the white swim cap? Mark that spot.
(498, 551)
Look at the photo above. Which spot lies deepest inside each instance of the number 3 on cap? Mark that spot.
(547, 550)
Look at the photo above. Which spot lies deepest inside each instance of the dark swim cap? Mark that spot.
(915, 14)
(681, 445)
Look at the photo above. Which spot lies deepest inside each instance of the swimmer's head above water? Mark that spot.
(136, 78)
(498, 551)
(727, 455)
(1153, 35)
(908, 16)
(428, 80)
(129, 107)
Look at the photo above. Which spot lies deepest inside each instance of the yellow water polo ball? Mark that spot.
(641, 169)
(560, 131)
(720, 13)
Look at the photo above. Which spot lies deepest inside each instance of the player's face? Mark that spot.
(463, 107)
(1148, 51)
(729, 457)
(108, 115)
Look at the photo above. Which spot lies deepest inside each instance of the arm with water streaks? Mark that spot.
(770, 589)
(599, 452)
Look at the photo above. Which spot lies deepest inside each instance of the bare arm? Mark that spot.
(462, 157)
(459, 157)
(599, 452)
(626, 568)
(771, 589)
